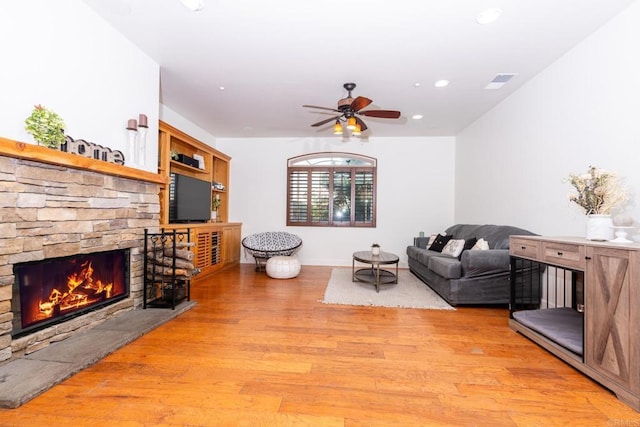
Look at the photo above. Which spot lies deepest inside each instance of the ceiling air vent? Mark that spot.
(500, 80)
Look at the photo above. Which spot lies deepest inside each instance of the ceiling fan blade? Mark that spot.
(359, 103)
(323, 122)
(322, 108)
(359, 121)
(384, 114)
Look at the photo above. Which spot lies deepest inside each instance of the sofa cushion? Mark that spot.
(481, 245)
(479, 263)
(496, 235)
(440, 242)
(422, 255)
(447, 267)
(468, 244)
(453, 248)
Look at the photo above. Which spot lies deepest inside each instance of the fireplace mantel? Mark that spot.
(22, 150)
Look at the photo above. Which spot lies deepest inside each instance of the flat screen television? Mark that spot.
(189, 199)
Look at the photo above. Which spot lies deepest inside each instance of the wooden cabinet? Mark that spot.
(608, 321)
(174, 142)
(217, 241)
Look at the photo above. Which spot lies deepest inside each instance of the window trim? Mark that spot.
(363, 164)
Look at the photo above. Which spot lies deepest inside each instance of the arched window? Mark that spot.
(331, 190)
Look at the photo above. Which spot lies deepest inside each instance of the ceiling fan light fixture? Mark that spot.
(337, 128)
(357, 131)
(351, 123)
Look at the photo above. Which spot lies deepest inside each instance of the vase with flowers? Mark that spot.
(598, 192)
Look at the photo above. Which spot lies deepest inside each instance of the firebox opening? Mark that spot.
(55, 290)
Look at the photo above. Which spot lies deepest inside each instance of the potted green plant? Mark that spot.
(46, 127)
(375, 249)
(215, 204)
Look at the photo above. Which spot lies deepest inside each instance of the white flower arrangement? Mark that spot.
(598, 191)
(46, 127)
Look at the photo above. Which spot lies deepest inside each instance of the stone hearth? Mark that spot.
(52, 210)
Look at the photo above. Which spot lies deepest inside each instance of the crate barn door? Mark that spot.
(611, 315)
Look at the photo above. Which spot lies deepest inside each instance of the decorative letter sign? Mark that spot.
(92, 151)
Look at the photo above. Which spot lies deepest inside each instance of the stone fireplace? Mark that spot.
(58, 206)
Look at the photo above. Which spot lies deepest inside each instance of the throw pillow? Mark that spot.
(432, 238)
(453, 248)
(468, 244)
(439, 243)
(481, 244)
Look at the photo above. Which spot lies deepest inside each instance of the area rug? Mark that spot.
(409, 292)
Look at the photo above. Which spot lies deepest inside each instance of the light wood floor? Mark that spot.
(260, 352)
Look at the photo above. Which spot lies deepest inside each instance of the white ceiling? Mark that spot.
(273, 56)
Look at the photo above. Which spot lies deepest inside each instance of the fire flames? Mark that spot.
(82, 290)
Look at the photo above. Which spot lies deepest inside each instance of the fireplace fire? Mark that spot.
(54, 290)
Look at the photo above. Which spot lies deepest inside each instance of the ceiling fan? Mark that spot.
(349, 109)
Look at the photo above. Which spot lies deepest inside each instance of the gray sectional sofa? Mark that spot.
(476, 277)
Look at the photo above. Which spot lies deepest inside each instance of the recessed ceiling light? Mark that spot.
(441, 83)
(488, 16)
(193, 5)
(416, 84)
(416, 116)
(221, 87)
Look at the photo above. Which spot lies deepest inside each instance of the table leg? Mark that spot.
(396, 281)
(353, 270)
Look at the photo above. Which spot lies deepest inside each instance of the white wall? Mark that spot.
(178, 121)
(415, 192)
(64, 56)
(512, 164)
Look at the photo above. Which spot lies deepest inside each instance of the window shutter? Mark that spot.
(320, 196)
(298, 206)
(364, 197)
(342, 197)
(331, 190)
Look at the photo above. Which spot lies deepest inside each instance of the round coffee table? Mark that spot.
(374, 274)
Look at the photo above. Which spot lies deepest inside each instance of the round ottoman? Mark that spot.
(283, 267)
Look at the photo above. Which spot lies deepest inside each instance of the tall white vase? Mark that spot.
(599, 227)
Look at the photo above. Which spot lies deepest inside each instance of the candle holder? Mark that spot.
(133, 143)
(132, 127)
(621, 233)
(141, 142)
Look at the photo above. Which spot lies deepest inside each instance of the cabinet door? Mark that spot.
(208, 251)
(611, 315)
(231, 244)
